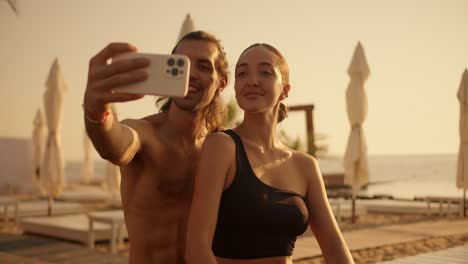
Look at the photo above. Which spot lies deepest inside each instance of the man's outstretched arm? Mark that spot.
(113, 140)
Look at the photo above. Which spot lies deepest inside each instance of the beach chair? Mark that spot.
(394, 206)
(7, 202)
(342, 209)
(449, 202)
(113, 218)
(85, 228)
(85, 194)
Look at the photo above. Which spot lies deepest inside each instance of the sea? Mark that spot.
(406, 176)
(401, 176)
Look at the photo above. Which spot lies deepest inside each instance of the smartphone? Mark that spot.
(168, 75)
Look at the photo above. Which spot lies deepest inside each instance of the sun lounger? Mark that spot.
(78, 227)
(39, 208)
(6, 202)
(113, 218)
(449, 201)
(85, 194)
(396, 206)
(343, 209)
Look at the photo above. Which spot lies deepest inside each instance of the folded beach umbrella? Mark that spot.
(52, 175)
(187, 27)
(355, 158)
(462, 171)
(38, 137)
(87, 167)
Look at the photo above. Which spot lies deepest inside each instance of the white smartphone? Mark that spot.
(168, 75)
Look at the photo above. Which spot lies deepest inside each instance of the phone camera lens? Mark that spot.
(174, 71)
(180, 62)
(171, 62)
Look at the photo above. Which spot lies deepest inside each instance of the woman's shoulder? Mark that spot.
(219, 140)
(304, 160)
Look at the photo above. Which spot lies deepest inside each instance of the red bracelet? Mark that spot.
(94, 118)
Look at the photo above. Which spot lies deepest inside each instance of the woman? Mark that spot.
(253, 195)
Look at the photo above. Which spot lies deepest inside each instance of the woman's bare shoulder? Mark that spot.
(304, 159)
(219, 140)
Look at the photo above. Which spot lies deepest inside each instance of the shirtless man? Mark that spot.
(157, 154)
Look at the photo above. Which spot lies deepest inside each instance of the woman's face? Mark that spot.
(258, 82)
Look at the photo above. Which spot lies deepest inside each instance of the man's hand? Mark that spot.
(103, 77)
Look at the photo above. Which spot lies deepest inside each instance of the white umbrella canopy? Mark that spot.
(187, 27)
(355, 158)
(87, 167)
(462, 169)
(38, 137)
(52, 173)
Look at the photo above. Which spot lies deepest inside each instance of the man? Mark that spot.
(158, 153)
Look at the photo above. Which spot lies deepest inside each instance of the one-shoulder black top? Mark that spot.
(256, 220)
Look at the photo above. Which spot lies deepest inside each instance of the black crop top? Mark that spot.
(256, 220)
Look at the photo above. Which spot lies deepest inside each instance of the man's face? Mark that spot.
(204, 79)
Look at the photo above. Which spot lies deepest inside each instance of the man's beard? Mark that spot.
(189, 105)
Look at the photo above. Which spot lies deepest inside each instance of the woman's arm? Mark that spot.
(321, 219)
(217, 156)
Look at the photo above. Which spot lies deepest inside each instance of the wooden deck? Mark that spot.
(452, 255)
(34, 249)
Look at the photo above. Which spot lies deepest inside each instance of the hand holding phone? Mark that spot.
(168, 75)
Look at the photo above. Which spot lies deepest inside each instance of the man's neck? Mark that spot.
(187, 124)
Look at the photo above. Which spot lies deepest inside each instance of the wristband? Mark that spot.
(96, 119)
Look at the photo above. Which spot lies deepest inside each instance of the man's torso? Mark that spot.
(156, 192)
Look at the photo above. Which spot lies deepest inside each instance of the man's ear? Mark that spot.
(285, 92)
(222, 84)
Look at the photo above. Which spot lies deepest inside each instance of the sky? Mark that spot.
(416, 50)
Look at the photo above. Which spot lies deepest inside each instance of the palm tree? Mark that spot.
(321, 146)
(232, 117)
(294, 143)
(13, 5)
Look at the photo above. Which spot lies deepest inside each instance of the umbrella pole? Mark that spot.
(464, 203)
(49, 208)
(353, 191)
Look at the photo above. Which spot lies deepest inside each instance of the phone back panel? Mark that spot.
(168, 75)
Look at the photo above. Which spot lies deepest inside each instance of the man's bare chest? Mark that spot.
(172, 173)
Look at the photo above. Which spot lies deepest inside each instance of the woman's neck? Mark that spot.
(260, 129)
